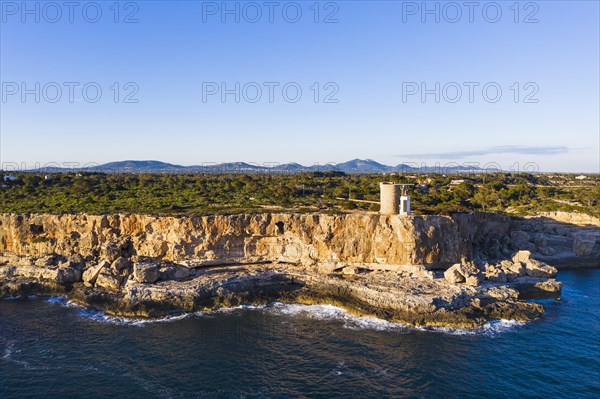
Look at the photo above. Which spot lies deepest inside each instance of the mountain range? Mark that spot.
(353, 166)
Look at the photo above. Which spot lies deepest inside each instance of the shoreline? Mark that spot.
(446, 271)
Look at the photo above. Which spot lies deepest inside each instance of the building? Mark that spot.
(394, 199)
(389, 198)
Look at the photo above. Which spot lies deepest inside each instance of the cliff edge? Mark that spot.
(459, 270)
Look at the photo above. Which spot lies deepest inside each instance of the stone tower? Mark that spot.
(390, 198)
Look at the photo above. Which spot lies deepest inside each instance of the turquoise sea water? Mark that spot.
(52, 349)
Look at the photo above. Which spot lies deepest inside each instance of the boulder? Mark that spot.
(181, 273)
(516, 268)
(466, 273)
(550, 285)
(108, 280)
(474, 279)
(66, 275)
(522, 256)
(349, 270)
(496, 274)
(174, 273)
(47, 260)
(121, 264)
(76, 259)
(91, 273)
(534, 268)
(327, 267)
(145, 272)
(454, 274)
(110, 252)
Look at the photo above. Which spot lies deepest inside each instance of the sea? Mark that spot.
(51, 348)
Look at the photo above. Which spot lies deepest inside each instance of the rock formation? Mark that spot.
(434, 270)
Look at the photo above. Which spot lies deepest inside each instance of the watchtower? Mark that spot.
(389, 198)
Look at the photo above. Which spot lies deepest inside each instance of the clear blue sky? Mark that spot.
(371, 55)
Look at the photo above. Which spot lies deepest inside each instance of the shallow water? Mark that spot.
(52, 349)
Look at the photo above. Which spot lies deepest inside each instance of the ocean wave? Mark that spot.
(330, 312)
(99, 316)
(9, 355)
(315, 312)
(57, 299)
(236, 309)
(334, 313)
(11, 298)
(102, 317)
(489, 329)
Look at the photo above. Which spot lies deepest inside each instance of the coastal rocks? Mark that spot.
(59, 275)
(108, 280)
(91, 274)
(306, 239)
(349, 270)
(175, 272)
(549, 285)
(145, 272)
(531, 287)
(121, 264)
(585, 245)
(454, 274)
(464, 273)
(496, 274)
(519, 236)
(48, 260)
(67, 275)
(521, 256)
(513, 269)
(538, 269)
(388, 267)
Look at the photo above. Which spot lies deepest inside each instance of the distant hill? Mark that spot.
(353, 166)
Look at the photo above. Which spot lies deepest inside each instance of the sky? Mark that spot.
(505, 83)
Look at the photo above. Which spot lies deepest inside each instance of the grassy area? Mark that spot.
(202, 194)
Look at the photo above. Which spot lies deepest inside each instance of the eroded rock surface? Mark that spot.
(427, 270)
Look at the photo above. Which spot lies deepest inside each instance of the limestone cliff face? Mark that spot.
(369, 240)
(305, 239)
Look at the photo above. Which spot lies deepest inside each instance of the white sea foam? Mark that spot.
(490, 329)
(102, 317)
(57, 299)
(9, 355)
(236, 309)
(315, 312)
(330, 312)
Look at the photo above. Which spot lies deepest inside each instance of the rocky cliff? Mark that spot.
(292, 238)
(141, 265)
